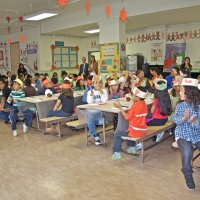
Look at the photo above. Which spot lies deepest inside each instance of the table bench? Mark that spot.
(58, 121)
(152, 131)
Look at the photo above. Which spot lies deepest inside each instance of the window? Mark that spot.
(65, 57)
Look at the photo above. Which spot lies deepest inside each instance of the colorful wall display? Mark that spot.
(157, 53)
(174, 55)
(109, 58)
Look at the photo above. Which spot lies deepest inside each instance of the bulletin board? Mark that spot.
(109, 57)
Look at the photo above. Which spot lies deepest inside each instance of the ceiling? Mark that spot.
(11, 8)
(171, 17)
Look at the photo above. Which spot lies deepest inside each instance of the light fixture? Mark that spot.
(92, 31)
(41, 15)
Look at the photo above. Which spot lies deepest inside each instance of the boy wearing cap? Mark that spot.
(187, 120)
(15, 94)
(136, 123)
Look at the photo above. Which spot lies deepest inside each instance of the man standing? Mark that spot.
(84, 68)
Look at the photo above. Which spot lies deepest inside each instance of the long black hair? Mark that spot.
(164, 102)
(192, 95)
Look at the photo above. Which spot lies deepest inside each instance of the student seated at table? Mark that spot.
(37, 80)
(3, 105)
(114, 92)
(88, 87)
(46, 85)
(80, 84)
(161, 108)
(136, 126)
(96, 95)
(154, 75)
(29, 89)
(125, 84)
(15, 94)
(64, 106)
(55, 84)
(175, 99)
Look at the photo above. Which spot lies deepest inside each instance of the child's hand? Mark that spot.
(185, 115)
(92, 92)
(192, 119)
(117, 104)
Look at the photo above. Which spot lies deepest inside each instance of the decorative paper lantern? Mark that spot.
(108, 10)
(8, 18)
(123, 14)
(62, 2)
(53, 67)
(9, 41)
(87, 6)
(21, 18)
(21, 38)
(77, 48)
(52, 46)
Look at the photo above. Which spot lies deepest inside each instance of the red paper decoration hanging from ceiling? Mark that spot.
(8, 18)
(62, 2)
(108, 10)
(9, 41)
(87, 6)
(123, 14)
(53, 67)
(21, 38)
(21, 19)
(52, 46)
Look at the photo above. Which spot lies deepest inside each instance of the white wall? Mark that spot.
(192, 45)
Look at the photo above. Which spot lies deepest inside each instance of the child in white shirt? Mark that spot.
(96, 95)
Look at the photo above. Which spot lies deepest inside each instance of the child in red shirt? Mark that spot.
(136, 126)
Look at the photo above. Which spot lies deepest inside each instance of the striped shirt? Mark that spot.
(184, 129)
(16, 95)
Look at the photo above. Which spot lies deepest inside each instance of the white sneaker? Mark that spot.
(159, 136)
(138, 146)
(14, 133)
(97, 140)
(175, 145)
(25, 128)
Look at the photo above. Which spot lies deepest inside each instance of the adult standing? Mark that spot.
(93, 67)
(186, 68)
(21, 70)
(84, 68)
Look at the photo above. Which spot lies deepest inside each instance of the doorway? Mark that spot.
(15, 57)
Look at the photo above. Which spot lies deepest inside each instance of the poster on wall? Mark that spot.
(157, 53)
(123, 57)
(109, 58)
(29, 54)
(174, 55)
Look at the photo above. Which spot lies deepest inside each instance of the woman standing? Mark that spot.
(186, 68)
(21, 70)
(93, 67)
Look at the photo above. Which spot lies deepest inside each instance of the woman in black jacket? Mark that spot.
(186, 68)
(21, 70)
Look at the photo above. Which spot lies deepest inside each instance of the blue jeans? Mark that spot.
(93, 118)
(5, 115)
(28, 115)
(58, 113)
(186, 150)
(122, 130)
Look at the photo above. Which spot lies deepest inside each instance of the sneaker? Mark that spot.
(97, 140)
(116, 156)
(138, 146)
(175, 145)
(190, 184)
(159, 136)
(132, 150)
(14, 133)
(25, 128)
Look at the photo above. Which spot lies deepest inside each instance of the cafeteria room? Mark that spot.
(99, 99)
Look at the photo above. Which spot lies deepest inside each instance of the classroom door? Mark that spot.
(15, 57)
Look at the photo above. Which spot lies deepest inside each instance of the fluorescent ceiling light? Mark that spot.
(92, 31)
(40, 15)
